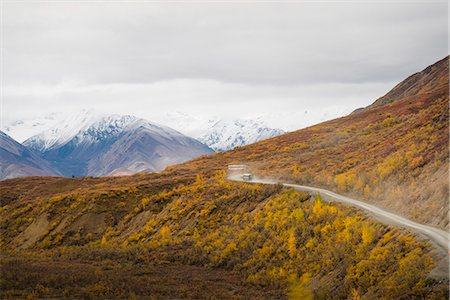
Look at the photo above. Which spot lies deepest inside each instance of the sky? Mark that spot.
(294, 63)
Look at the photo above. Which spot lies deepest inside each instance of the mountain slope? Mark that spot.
(146, 147)
(84, 126)
(89, 144)
(18, 161)
(433, 79)
(276, 242)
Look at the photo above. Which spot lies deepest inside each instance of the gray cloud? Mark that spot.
(210, 58)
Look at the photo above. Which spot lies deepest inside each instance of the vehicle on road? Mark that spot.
(247, 177)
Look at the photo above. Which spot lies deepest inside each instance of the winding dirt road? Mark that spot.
(439, 237)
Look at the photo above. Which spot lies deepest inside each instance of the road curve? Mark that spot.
(438, 236)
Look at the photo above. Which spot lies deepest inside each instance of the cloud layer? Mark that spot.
(236, 59)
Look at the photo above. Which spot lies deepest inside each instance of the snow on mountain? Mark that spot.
(185, 123)
(89, 126)
(20, 130)
(144, 146)
(89, 143)
(225, 135)
(218, 133)
(64, 129)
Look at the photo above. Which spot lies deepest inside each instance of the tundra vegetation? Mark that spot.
(202, 237)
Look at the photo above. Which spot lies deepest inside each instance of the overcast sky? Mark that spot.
(307, 61)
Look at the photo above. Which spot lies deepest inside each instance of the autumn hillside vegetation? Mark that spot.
(267, 241)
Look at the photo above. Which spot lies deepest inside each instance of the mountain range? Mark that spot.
(96, 145)
(220, 134)
(90, 143)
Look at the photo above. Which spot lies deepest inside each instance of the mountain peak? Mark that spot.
(85, 124)
(223, 135)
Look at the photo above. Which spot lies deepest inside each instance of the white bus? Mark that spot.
(247, 177)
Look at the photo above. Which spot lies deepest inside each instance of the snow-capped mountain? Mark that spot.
(65, 128)
(92, 144)
(85, 127)
(218, 133)
(225, 135)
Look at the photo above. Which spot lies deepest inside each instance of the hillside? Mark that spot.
(18, 161)
(394, 155)
(119, 235)
(160, 233)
